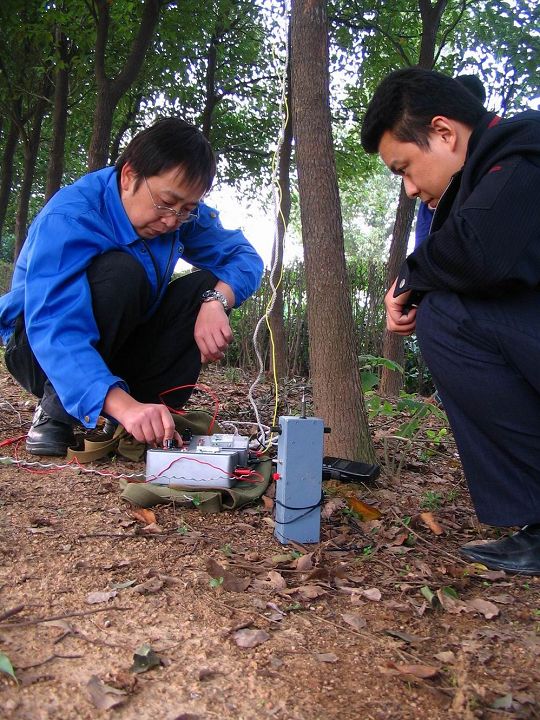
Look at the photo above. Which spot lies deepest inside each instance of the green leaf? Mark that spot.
(369, 380)
(6, 666)
(428, 594)
(144, 658)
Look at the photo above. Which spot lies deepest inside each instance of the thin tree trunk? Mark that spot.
(129, 120)
(6, 179)
(333, 362)
(31, 148)
(210, 99)
(111, 91)
(276, 317)
(394, 345)
(55, 168)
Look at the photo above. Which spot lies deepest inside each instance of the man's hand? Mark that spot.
(213, 333)
(151, 423)
(399, 319)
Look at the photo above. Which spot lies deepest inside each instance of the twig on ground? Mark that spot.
(64, 616)
(9, 613)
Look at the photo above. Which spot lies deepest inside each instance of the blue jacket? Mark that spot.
(50, 286)
(423, 224)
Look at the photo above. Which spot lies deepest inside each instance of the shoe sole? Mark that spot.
(50, 450)
(495, 566)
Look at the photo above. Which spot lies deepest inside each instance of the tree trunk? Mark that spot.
(31, 140)
(109, 92)
(128, 123)
(55, 168)
(210, 99)
(31, 147)
(333, 355)
(276, 318)
(394, 345)
(6, 180)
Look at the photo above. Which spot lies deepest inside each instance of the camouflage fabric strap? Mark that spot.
(208, 501)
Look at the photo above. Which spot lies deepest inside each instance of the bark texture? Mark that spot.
(333, 358)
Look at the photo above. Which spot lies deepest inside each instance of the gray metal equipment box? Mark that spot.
(209, 461)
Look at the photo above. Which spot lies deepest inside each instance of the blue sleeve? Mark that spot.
(423, 224)
(226, 253)
(58, 313)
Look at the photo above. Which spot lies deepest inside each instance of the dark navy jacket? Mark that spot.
(485, 234)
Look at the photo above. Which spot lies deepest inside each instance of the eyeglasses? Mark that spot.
(182, 216)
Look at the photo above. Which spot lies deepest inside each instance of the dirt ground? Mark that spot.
(105, 612)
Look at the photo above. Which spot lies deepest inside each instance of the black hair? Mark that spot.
(407, 100)
(169, 143)
(474, 85)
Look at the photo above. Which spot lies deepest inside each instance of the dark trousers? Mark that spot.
(151, 356)
(484, 356)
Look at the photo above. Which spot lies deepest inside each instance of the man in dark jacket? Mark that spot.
(472, 289)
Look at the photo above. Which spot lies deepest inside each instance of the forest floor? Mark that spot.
(380, 620)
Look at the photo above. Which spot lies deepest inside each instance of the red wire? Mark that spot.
(196, 386)
(203, 462)
(12, 440)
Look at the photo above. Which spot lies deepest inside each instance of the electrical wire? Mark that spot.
(278, 196)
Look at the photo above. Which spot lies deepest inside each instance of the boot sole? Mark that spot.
(51, 450)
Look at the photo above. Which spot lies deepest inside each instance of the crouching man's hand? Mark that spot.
(400, 319)
(147, 422)
(213, 333)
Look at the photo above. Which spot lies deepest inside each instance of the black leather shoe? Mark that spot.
(518, 553)
(48, 436)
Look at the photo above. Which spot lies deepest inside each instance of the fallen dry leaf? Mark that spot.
(488, 609)
(142, 515)
(446, 656)
(250, 638)
(429, 520)
(149, 586)
(419, 671)
(103, 696)
(367, 512)
(326, 657)
(308, 592)
(231, 582)
(151, 528)
(372, 594)
(305, 562)
(330, 507)
(354, 620)
(100, 596)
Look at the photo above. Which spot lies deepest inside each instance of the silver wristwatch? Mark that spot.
(210, 295)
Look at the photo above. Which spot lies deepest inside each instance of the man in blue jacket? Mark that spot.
(471, 290)
(92, 323)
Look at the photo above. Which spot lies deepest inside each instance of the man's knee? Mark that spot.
(185, 293)
(118, 279)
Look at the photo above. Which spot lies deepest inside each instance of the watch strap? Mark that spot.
(210, 295)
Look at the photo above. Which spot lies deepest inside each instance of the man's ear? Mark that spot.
(446, 130)
(127, 177)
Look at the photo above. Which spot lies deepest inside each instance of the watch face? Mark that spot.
(215, 295)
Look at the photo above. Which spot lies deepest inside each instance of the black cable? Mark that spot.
(308, 509)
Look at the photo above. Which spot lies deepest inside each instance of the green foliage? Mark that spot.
(6, 667)
(368, 363)
(366, 287)
(431, 500)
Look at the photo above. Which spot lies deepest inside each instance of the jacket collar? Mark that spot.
(487, 121)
